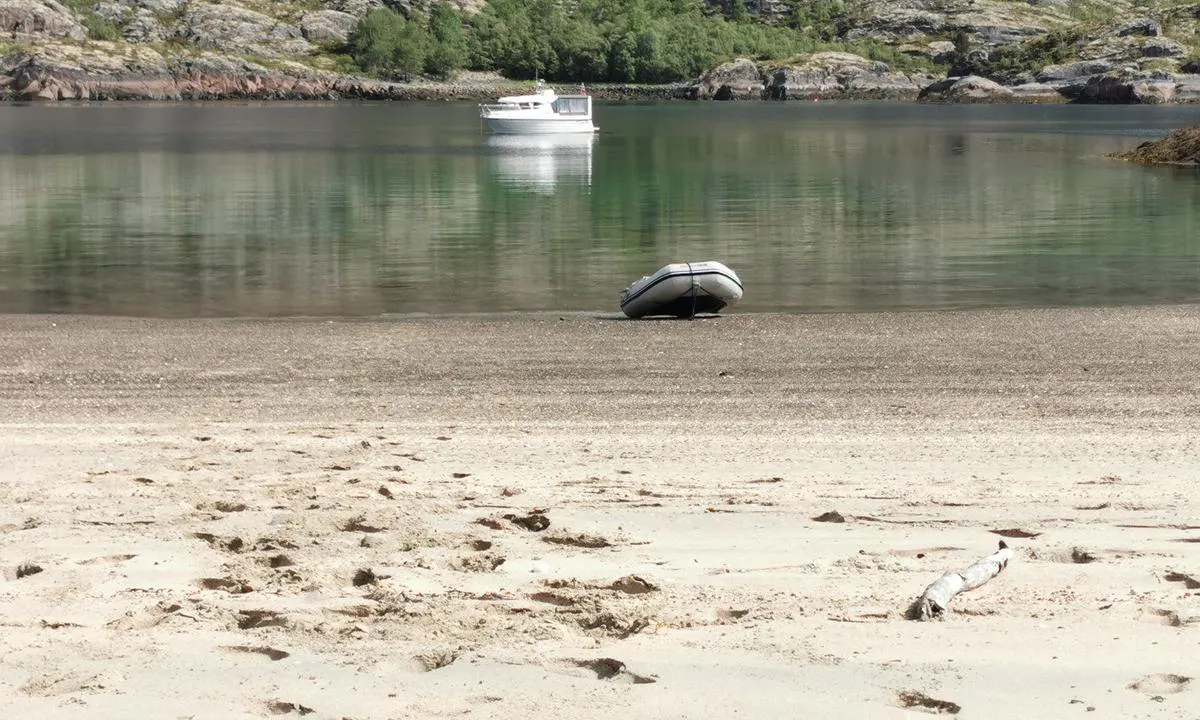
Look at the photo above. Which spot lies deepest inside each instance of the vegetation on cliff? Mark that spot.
(660, 41)
(361, 48)
(624, 41)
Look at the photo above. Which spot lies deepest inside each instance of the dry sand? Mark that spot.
(344, 519)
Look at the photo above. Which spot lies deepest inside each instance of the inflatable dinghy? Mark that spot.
(683, 290)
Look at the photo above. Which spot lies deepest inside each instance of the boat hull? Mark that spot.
(536, 126)
(683, 290)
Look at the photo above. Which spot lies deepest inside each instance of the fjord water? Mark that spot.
(362, 209)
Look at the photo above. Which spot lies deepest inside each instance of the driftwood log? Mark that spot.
(935, 601)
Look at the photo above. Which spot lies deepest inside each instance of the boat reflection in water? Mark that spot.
(542, 162)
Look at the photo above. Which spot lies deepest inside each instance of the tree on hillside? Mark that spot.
(384, 43)
(448, 48)
(738, 12)
(410, 56)
(643, 41)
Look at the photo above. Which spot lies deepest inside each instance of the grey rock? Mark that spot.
(1071, 72)
(1139, 26)
(841, 75)
(160, 6)
(233, 29)
(896, 25)
(327, 26)
(144, 27)
(1187, 89)
(1153, 92)
(941, 51)
(1035, 92)
(357, 8)
(33, 20)
(801, 83)
(969, 89)
(1115, 88)
(113, 12)
(1003, 34)
(1161, 47)
(732, 80)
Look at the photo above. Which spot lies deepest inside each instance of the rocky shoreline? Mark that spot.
(98, 73)
(1181, 147)
(103, 72)
(223, 50)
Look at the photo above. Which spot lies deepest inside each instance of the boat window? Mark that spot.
(571, 106)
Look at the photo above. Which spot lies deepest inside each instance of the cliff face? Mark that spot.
(200, 49)
(1041, 51)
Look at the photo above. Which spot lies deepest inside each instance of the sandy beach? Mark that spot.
(576, 516)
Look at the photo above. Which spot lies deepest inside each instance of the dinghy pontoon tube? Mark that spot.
(682, 290)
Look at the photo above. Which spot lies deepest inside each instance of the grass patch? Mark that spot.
(98, 28)
(1160, 64)
(289, 12)
(7, 46)
(1007, 62)
(897, 60)
(1091, 11)
(334, 62)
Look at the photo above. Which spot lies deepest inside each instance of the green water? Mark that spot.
(363, 209)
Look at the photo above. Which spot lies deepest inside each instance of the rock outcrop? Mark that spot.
(969, 89)
(987, 22)
(106, 71)
(834, 75)
(232, 29)
(1132, 87)
(1181, 147)
(31, 20)
(739, 79)
(327, 26)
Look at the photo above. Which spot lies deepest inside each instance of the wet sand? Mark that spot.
(588, 517)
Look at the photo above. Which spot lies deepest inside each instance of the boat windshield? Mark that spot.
(571, 106)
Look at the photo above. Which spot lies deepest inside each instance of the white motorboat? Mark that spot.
(545, 111)
(683, 290)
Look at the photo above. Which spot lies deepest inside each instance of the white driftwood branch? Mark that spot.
(935, 601)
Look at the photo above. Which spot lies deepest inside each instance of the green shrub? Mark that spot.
(448, 45)
(98, 28)
(1008, 61)
(386, 44)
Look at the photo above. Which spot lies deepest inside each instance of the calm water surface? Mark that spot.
(362, 209)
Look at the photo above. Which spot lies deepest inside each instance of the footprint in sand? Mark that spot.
(106, 560)
(1170, 617)
(270, 652)
(145, 618)
(1161, 684)
(49, 684)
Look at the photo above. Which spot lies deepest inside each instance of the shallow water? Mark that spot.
(361, 209)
